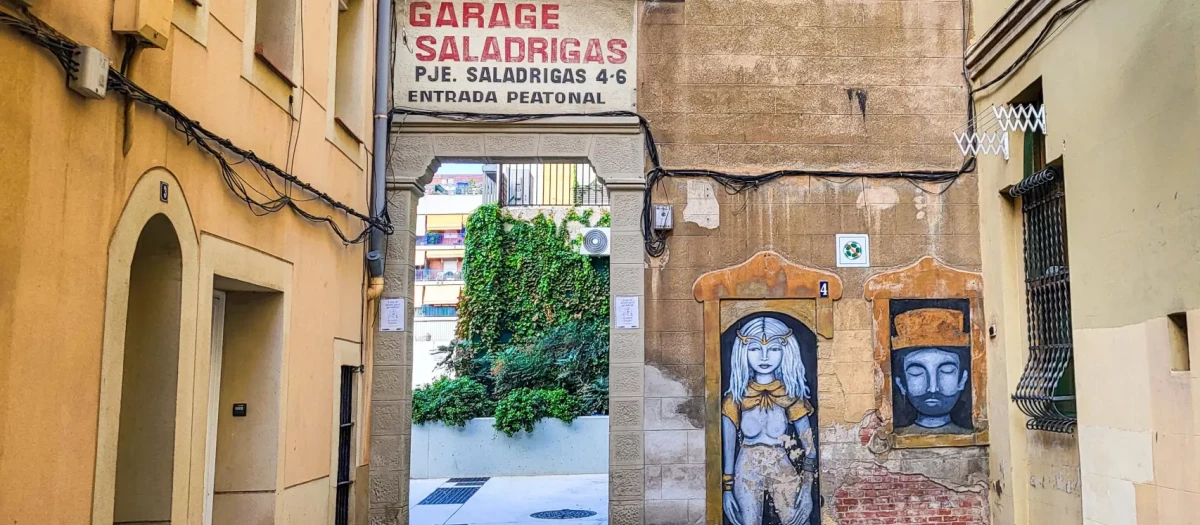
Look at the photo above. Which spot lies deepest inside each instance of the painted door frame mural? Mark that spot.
(934, 308)
(766, 285)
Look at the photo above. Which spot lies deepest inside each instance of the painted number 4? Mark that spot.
(824, 289)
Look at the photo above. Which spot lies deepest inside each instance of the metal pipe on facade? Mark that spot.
(383, 72)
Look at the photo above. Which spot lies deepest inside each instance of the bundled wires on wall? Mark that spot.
(260, 202)
(655, 241)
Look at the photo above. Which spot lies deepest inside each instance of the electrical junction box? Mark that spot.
(146, 20)
(90, 76)
(664, 219)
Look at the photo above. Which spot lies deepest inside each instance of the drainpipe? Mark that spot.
(383, 75)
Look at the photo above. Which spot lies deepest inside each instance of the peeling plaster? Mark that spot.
(702, 207)
(883, 197)
(663, 382)
(875, 200)
(929, 211)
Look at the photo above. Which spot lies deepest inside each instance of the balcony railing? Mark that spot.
(436, 311)
(460, 189)
(440, 239)
(425, 275)
(543, 185)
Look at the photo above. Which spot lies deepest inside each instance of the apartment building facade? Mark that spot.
(1089, 259)
(179, 344)
(455, 192)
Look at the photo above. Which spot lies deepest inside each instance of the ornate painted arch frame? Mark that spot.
(928, 280)
(765, 282)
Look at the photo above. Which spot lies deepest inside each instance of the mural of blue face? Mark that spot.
(931, 366)
(933, 380)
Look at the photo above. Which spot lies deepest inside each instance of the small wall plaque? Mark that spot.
(853, 250)
(239, 410)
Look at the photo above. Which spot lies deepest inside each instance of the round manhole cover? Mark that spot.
(564, 514)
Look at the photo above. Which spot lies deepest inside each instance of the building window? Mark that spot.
(275, 36)
(349, 110)
(1046, 390)
(341, 512)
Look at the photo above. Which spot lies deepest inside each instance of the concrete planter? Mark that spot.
(478, 449)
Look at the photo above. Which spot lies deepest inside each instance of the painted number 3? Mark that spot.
(603, 77)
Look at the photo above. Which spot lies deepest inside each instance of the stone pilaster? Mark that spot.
(410, 161)
(627, 357)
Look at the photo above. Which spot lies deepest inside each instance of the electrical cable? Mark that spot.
(1024, 57)
(63, 49)
(733, 184)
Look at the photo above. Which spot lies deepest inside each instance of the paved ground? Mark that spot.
(510, 500)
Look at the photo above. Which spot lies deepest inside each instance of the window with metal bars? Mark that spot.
(341, 511)
(1046, 390)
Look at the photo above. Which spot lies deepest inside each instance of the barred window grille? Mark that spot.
(341, 510)
(1046, 390)
(543, 185)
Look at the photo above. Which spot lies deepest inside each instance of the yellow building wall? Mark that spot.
(66, 183)
(1119, 81)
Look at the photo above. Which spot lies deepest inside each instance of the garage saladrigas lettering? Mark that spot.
(455, 40)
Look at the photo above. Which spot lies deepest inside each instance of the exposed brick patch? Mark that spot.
(875, 496)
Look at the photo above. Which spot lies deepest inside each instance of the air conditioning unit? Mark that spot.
(596, 242)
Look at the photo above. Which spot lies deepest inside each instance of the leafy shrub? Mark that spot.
(451, 401)
(517, 368)
(594, 396)
(522, 408)
(580, 351)
(561, 405)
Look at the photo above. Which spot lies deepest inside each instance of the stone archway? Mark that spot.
(418, 145)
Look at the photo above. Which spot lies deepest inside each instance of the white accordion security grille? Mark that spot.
(988, 134)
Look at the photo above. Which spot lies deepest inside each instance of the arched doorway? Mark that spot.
(149, 379)
(143, 426)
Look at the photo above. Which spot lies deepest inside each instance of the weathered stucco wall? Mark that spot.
(67, 184)
(1116, 117)
(752, 86)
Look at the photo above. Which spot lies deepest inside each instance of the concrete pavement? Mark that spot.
(508, 500)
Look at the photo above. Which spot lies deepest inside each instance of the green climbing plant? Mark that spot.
(533, 322)
(523, 278)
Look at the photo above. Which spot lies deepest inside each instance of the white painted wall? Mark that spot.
(448, 204)
(425, 363)
(478, 449)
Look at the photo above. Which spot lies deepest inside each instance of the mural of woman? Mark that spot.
(769, 453)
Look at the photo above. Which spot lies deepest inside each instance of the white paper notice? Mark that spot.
(391, 315)
(627, 312)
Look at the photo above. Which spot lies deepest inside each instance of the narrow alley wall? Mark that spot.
(871, 85)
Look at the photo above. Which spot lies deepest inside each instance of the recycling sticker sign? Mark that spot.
(853, 250)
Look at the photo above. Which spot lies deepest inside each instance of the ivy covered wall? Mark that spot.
(533, 325)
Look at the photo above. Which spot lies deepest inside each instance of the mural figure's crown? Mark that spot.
(927, 327)
(747, 339)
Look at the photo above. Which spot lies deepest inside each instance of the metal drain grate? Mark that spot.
(564, 514)
(450, 496)
(467, 480)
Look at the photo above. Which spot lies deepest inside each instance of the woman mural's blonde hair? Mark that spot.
(763, 332)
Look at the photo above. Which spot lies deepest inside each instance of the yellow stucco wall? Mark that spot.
(1119, 80)
(67, 185)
